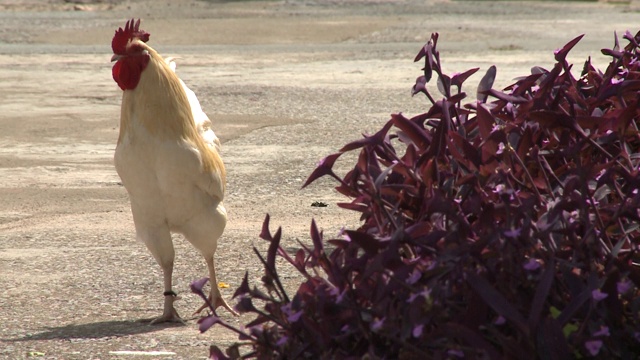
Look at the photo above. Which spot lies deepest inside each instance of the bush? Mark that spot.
(503, 229)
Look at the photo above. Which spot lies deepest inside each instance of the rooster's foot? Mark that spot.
(218, 303)
(171, 317)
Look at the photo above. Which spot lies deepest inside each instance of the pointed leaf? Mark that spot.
(206, 322)
(266, 233)
(560, 55)
(506, 97)
(244, 286)
(460, 78)
(439, 143)
(273, 249)
(542, 292)
(196, 286)
(376, 139)
(367, 242)
(551, 341)
(486, 84)
(325, 167)
(420, 86)
(216, 354)
(496, 301)
(485, 120)
(413, 131)
(316, 236)
(444, 85)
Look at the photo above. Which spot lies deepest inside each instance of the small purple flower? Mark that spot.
(616, 81)
(426, 292)
(283, 340)
(604, 331)
(417, 330)
(376, 324)
(500, 320)
(514, 233)
(456, 353)
(598, 295)
(623, 286)
(593, 346)
(414, 277)
(295, 316)
(531, 265)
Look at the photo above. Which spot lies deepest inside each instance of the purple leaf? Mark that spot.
(325, 167)
(542, 293)
(506, 97)
(376, 139)
(273, 249)
(245, 305)
(486, 84)
(412, 130)
(206, 322)
(496, 301)
(266, 233)
(244, 288)
(632, 39)
(196, 286)
(439, 143)
(420, 86)
(459, 78)
(561, 54)
(486, 122)
(216, 354)
(316, 236)
(367, 242)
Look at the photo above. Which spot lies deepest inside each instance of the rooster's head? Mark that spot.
(130, 54)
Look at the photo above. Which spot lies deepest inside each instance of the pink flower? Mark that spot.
(414, 277)
(531, 265)
(604, 331)
(623, 286)
(376, 324)
(295, 316)
(593, 346)
(283, 340)
(417, 331)
(598, 295)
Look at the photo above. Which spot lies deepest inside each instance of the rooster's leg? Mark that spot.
(215, 298)
(160, 245)
(169, 313)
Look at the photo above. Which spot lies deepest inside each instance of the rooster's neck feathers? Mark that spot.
(166, 112)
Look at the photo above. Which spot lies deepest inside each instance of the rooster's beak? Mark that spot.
(116, 57)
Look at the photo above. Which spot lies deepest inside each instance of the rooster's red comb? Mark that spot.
(121, 38)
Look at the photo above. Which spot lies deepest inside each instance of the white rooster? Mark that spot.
(167, 157)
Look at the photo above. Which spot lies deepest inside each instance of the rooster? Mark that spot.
(168, 159)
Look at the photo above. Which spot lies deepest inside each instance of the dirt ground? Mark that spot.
(285, 82)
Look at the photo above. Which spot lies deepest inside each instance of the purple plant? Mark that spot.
(503, 229)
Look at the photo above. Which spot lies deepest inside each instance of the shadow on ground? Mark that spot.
(96, 330)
